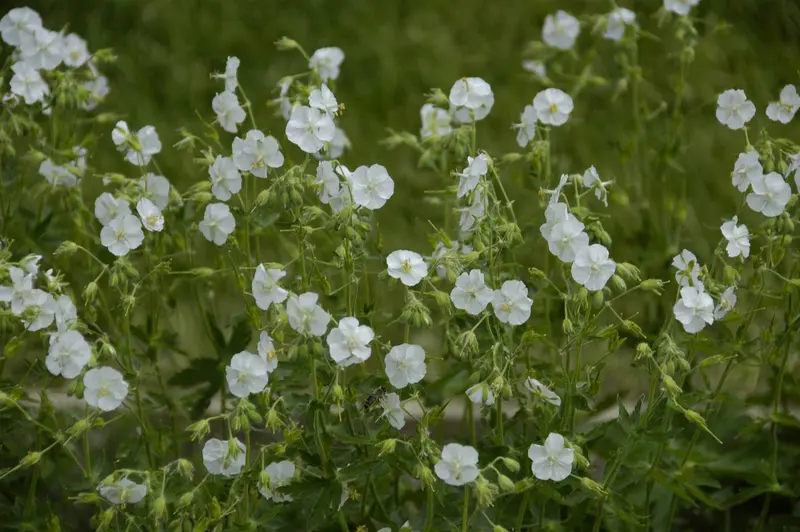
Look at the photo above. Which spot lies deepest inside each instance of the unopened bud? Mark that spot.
(30, 459)
(643, 351)
(618, 283)
(597, 300)
(593, 486)
(655, 286)
(159, 507)
(66, 248)
(186, 499)
(566, 326)
(185, 468)
(90, 292)
(273, 420)
(506, 484)
(670, 385)
(511, 464)
(199, 429)
(387, 446)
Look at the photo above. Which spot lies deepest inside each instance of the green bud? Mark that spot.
(90, 292)
(263, 479)
(199, 429)
(593, 486)
(643, 351)
(185, 468)
(467, 342)
(498, 528)
(30, 459)
(597, 300)
(655, 286)
(713, 361)
(442, 299)
(511, 157)
(159, 507)
(670, 385)
(511, 464)
(387, 446)
(285, 43)
(582, 297)
(618, 283)
(273, 420)
(731, 275)
(634, 328)
(81, 426)
(338, 393)
(506, 484)
(566, 326)
(485, 492)
(628, 271)
(536, 273)
(425, 475)
(186, 499)
(66, 248)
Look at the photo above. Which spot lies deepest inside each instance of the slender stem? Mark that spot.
(465, 513)
(429, 521)
(522, 510)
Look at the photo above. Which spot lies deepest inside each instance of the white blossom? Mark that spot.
(265, 287)
(567, 238)
(526, 129)
(335, 148)
(591, 179)
(553, 107)
(228, 110)
(617, 21)
(256, 152)
(688, 267)
(67, 354)
(28, 83)
(393, 410)
(746, 170)
(324, 100)
(471, 214)
(150, 214)
(219, 458)
(695, 309)
(327, 61)
(155, 188)
(306, 316)
(138, 148)
(734, 109)
(785, 108)
(20, 293)
(280, 474)
(540, 390)
(97, 89)
(551, 461)
(471, 98)
(18, 22)
(511, 303)
(40, 310)
(122, 234)
(770, 195)
(65, 313)
(123, 491)
(230, 76)
(75, 51)
(407, 266)
(42, 48)
(371, 186)
(309, 128)
(458, 465)
(471, 175)
(405, 364)
(681, 7)
(471, 293)
(435, 122)
(266, 350)
(726, 303)
(246, 374)
(225, 178)
(560, 30)
(57, 175)
(592, 267)
(738, 238)
(104, 388)
(481, 394)
(349, 342)
(217, 224)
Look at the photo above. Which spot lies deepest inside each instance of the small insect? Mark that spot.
(376, 396)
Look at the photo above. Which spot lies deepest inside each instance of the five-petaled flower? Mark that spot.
(458, 465)
(407, 266)
(553, 460)
(405, 364)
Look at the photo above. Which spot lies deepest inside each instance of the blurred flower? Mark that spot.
(75, 51)
(327, 61)
(435, 122)
(27, 83)
(681, 7)
(746, 170)
(217, 224)
(526, 129)
(540, 390)
(617, 21)
(107, 207)
(42, 48)
(567, 238)
(784, 109)
(393, 410)
(18, 22)
(560, 30)
(481, 394)
(123, 491)
(155, 188)
(734, 109)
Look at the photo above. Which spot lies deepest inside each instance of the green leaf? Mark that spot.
(240, 335)
(200, 371)
(217, 338)
(623, 418)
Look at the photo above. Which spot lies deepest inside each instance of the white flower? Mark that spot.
(617, 21)
(738, 238)
(42, 309)
(393, 410)
(481, 394)
(306, 316)
(246, 374)
(555, 194)
(218, 223)
(67, 354)
(405, 364)
(734, 109)
(324, 100)
(155, 188)
(327, 61)
(770, 195)
(31, 264)
(335, 148)
(553, 107)
(266, 350)
(592, 268)
(746, 170)
(280, 474)
(231, 70)
(526, 129)
(21, 292)
(150, 214)
(98, 90)
(551, 461)
(472, 99)
(122, 234)
(219, 458)
(440, 251)
(225, 178)
(265, 287)
(535, 67)
(104, 388)
(511, 303)
(471, 293)
(349, 342)
(256, 152)
(123, 491)
(371, 186)
(560, 30)
(139, 153)
(435, 122)
(567, 238)
(57, 175)
(471, 214)
(229, 112)
(540, 390)
(407, 266)
(66, 315)
(726, 303)
(42, 48)
(688, 273)
(459, 464)
(107, 208)
(471, 175)
(309, 128)
(695, 309)
(18, 22)
(556, 212)
(784, 109)
(27, 83)
(591, 179)
(75, 51)
(329, 179)
(681, 7)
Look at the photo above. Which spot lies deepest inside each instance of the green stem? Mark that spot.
(465, 512)
(429, 521)
(522, 510)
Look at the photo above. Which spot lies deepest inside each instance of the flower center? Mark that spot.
(406, 267)
(553, 108)
(505, 307)
(119, 234)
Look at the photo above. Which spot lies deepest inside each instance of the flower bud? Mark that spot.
(186, 499)
(273, 420)
(159, 507)
(185, 468)
(618, 283)
(597, 300)
(536, 273)
(425, 475)
(670, 385)
(485, 492)
(66, 248)
(90, 292)
(285, 43)
(655, 286)
(628, 271)
(511, 464)
(442, 299)
(30, 459)
(593, 486)
(263, 479)
(467, 342)
(498, 528)
(199, 429)
(643, 351)
(566, 326)
(80, 426)
(387, 446)
(506, 484)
